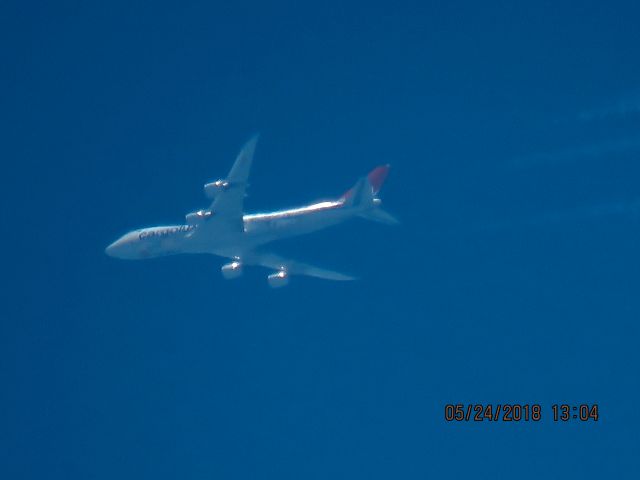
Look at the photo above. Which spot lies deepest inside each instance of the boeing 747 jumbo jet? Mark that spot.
(224, 230)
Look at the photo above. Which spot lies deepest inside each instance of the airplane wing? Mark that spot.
(276, 262)
(227, 207)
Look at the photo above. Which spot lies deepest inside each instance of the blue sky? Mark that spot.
(512, 135)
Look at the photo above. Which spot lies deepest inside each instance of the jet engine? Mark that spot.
(213, 188)
(231, 270)
(195, 218)
(278, 279)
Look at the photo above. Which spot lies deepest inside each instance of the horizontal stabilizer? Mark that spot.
(380, 216)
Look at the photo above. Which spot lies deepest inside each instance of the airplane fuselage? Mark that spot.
(223, 229)
(259, 229)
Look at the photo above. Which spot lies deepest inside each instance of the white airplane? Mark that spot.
(224, 230)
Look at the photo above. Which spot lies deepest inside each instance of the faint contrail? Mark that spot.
(594, 150)
(624, 209)
(626, 105)
(620, 208)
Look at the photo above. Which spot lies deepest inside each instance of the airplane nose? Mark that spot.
(110, 250)
(116, 249)
(124, 247)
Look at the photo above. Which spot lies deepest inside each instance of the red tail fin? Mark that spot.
(376, 178)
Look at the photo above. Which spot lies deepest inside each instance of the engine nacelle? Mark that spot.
(278, 279)
(213, 188)
(231, 270)
(195, 218)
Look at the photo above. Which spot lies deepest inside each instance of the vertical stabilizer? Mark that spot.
(363, 196)
(377, 176)
(373, 181)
